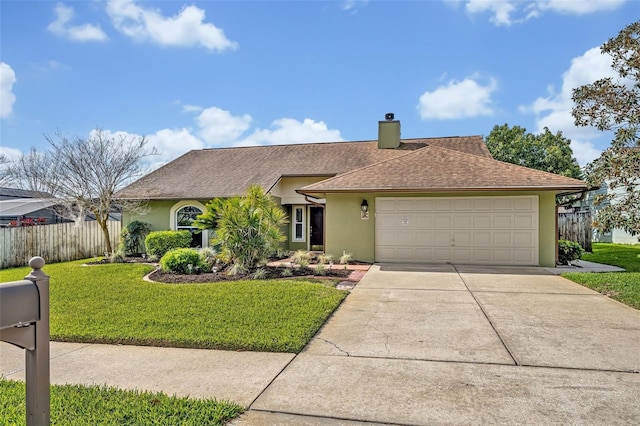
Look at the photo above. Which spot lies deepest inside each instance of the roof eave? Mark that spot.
(438, 190)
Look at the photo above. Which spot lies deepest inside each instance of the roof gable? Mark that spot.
(435, 168)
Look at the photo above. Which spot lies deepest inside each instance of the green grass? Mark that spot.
(621, 286)
(112, 304)
(73, 405)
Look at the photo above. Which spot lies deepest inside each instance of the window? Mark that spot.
(181, 217)
(185, 217)
(298, 224)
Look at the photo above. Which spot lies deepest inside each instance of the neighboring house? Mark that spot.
(14, 193)
(616, 235)
(27, 212)
(391, 200)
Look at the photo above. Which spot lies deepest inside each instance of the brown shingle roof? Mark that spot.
(222, 172)
(437, 169)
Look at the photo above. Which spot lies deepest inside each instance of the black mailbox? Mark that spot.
(19, 304)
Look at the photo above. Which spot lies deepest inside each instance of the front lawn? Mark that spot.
(621, 286)
(73, 405)
(112, 304)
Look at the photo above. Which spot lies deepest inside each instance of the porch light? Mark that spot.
(364, 206)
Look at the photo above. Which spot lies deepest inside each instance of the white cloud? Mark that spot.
(62, 28)
(554, 110)
(217, 127)
(578, 7)
(10, 153)
(187, 28)
(287, 131)
(351, 5)
(509, 12)
(220, 127)
(7, 97)
(501, 10)
(458, 99)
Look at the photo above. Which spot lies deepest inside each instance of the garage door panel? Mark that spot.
(482, 221)
(406, 205)
(385, 205)
(482, 239)
(442, 221)
(424, 238)
(484, 230)
(523, 239)
(523, 222)
(425, 205)
(502, 221)
(502, 239)
(424, 222)
(464, 238)
(442, 239)
(463, 221)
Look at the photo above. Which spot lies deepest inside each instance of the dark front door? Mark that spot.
(317, 228)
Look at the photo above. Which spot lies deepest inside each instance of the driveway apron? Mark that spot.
(450, 344)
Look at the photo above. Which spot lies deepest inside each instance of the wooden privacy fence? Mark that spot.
(59, 242)
(576, 226)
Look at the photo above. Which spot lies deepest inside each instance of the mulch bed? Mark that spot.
(272, 272)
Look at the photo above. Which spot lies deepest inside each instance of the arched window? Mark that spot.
(183, 213)
(185, 217)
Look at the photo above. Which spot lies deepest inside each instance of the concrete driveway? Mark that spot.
(445, 344)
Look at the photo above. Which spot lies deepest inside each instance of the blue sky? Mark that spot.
(201, 74)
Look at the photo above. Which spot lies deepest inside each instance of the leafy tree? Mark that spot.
(546, 151)
(85, 173)
(613, 104)
(247, 228)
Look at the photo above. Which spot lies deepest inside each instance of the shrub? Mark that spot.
(568, 251)
(133, 235)
(178, 261)
(286, 272)
(345, 258)
(260, 274)
(160, 242)
(117, 257)
(301, 257)
(324, 258)
(208, 259)
(321, 269)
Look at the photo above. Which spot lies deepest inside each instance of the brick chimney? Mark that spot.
(389, 132)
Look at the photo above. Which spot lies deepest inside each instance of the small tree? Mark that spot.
(85, 173)
(613, 104)
(247, 228)
(133, 235)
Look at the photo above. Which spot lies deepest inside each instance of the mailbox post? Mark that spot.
(24, 322)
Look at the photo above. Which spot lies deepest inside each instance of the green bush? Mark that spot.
(178, 261)
(160, 242)
(568, 251)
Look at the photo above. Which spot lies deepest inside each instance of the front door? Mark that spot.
(317, 228)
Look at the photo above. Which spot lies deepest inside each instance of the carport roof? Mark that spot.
(24, 206)
(438, 169)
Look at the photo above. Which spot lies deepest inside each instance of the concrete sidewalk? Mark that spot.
(199, 373)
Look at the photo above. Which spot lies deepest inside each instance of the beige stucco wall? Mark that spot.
(286, 187)
(345, 230)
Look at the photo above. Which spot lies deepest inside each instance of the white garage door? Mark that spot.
(478, 230)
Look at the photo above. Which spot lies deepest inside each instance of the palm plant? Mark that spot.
(247, 228)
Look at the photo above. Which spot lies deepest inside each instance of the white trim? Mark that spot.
(302, 208)
(184, 203)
